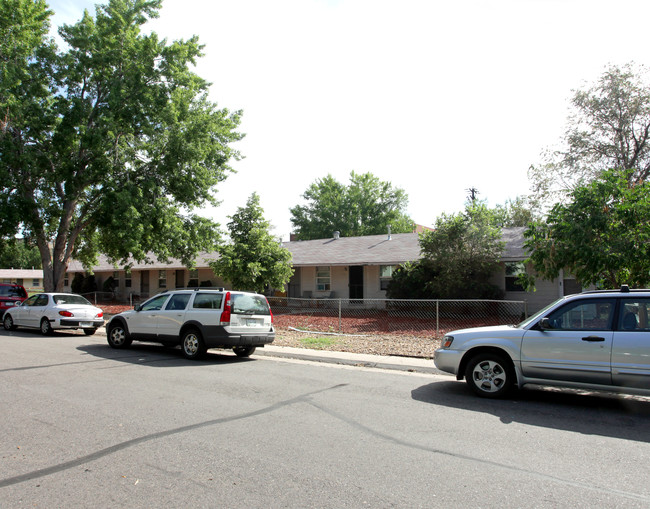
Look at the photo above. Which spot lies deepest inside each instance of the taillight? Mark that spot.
(225, 314)
(65, 313)
(270, 312)
(100, 314)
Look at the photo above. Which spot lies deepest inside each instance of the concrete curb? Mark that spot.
(410, 364)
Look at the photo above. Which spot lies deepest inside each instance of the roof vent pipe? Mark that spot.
(336, 235)
(388, 232)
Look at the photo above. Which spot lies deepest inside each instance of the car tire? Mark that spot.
(46, 327)
(192, 344)
(118, 336)
(243, 351)
(490, 375)
(8, 322)
(89, 332)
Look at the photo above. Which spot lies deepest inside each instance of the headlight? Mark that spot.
(447, 341)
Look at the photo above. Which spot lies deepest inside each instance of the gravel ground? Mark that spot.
(388, 344)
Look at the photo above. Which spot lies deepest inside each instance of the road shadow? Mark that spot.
(160, 356)
(586, 412)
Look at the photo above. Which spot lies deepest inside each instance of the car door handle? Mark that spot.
(593, 339)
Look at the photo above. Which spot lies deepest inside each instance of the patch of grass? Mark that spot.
(318, 343)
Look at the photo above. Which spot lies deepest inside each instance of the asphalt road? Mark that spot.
(87, 426)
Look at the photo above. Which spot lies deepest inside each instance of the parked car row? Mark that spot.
(591, 340)
(194, 319)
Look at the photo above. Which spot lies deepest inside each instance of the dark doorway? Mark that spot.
(144, 283)
(356, 282)
(180, 279)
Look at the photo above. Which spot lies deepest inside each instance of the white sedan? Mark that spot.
(52, 311)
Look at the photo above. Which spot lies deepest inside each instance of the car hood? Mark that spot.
(492, 329)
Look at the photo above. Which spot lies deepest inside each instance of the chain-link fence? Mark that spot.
(417, 318)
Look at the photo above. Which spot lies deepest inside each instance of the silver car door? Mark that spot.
(577, 347)
(631, 347)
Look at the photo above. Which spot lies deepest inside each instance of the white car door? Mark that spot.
(144, 322)
(171, 317)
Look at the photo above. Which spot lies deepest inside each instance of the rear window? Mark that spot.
(71, 299)
(243, 304)
(13, 291)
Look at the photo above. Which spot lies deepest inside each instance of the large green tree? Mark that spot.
(609, 127)
(253, 259)
(18, 254)
(601, 236)
(108, 146)
(459, 257)
(367, 206)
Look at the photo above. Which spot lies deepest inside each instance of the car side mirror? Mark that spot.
(137, 307)
(544, 324)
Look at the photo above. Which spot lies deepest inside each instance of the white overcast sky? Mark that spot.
(434, 96)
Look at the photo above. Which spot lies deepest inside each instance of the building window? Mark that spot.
(194, 278)
(162, 279)
(66, 279)
(127, 278)
(513, 270)
(385, 275)
(36, 282)
(323, 280)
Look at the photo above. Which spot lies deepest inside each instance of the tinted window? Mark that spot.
(12, 291)
(591, 314)
(250, 305)
(178, 301)
(634, 315)
(208, 301)
(41, 300)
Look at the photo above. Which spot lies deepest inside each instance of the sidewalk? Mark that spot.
(411, 364)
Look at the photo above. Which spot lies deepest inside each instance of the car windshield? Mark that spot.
(538, 315)
(70, 299)
(243, 304)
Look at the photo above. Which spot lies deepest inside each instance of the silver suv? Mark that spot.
(592, 340)
(197, 320)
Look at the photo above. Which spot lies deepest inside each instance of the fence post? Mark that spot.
(339, 315)
(437, 319)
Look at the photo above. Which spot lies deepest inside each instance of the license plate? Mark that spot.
(85, 324)
(251, 322)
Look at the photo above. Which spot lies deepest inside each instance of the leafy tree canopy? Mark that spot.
(18, 254)
(254, 259)
(609, 127)
(109, 145)
(601, 237)
(367, 206)
(458, 260)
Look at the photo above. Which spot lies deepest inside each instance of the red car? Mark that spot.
(10, 295)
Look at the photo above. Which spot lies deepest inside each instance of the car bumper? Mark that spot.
(447, 360)
(76, 324)
(220, 337)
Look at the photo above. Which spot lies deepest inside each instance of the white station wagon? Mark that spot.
(197, 320)
(592, 340)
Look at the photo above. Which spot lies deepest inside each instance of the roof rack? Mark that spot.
(623, 289)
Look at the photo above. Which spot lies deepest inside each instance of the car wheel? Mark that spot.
(8, 323)
(192, 344)
(117, 336)
(243, 351)
(89, 332)
(490, 375)
(46, 327)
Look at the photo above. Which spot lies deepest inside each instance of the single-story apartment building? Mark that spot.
(338, 267)
(31, 279)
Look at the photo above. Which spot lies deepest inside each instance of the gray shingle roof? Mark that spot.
(369, 250)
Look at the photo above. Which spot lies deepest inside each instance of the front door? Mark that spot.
(356, 282)
(144, 283)
(180, 279)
